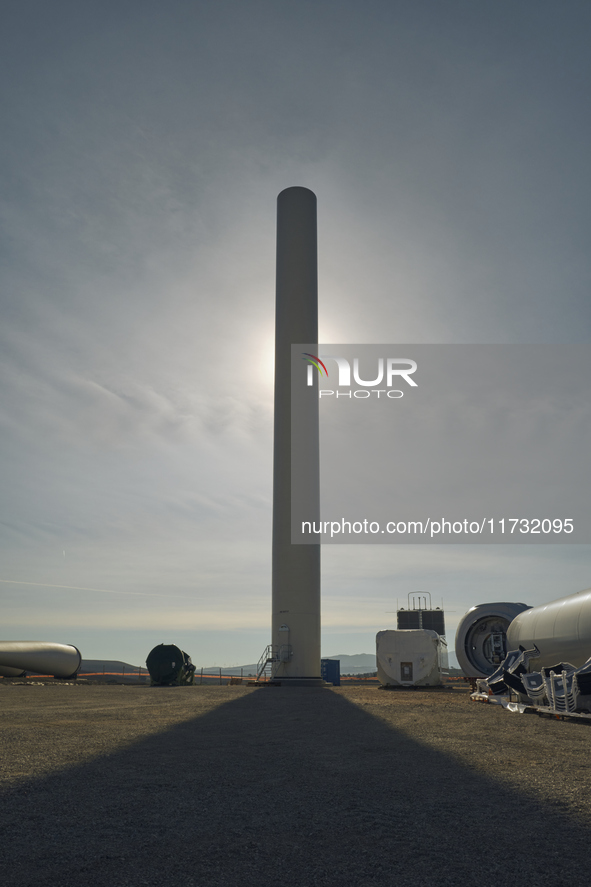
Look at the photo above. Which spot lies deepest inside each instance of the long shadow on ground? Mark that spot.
(278, 787)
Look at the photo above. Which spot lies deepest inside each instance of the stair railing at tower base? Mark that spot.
(265, 664)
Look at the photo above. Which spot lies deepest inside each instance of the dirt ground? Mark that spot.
(123, 786)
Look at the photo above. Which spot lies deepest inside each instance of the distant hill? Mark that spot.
(358, 663)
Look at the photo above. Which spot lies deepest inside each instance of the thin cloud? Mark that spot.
(82, 588)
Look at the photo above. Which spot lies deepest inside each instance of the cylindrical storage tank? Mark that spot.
(59, 660)
(481, 637)
(561, 630)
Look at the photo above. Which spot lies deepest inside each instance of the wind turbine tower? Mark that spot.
(296, 568)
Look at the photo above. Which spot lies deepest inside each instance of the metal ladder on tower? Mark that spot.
(267, 664)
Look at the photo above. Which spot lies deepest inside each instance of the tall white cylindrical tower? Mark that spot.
(296, 568)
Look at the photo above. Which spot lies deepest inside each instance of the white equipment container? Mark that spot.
(411, 658)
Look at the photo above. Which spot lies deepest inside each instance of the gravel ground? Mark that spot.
(120, 786)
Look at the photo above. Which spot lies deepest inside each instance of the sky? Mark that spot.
(144, 146)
